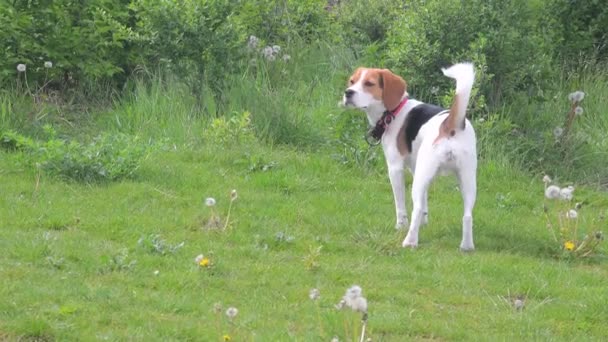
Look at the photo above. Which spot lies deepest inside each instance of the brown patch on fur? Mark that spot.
(372, 83)
(382, 84)
(401, 144)
(355, 76)
(448, 127)
(393, 88)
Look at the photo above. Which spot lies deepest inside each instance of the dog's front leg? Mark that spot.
(395, 173)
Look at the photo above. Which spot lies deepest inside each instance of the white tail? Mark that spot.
(464, 74)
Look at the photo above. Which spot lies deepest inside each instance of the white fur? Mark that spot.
(456, 154)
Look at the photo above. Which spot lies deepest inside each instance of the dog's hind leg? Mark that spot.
(422, 179)
(468, 188)
(425, 208)
(395, 173)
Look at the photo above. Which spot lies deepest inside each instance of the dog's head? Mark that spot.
(374, 89)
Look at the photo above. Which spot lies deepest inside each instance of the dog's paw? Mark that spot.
(467, 247)
(409, 242)
(402, 223)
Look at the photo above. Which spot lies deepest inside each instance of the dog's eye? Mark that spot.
(351, 81)
(368, 84)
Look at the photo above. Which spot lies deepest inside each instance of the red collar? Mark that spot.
(390, 115)
(399, 107)
(387, 117)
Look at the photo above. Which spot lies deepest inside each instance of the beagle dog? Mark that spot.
(426, 138)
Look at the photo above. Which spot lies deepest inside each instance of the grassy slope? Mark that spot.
(57, 244)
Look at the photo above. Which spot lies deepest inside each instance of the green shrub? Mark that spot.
(108, 157)
(81, 40)
(512, 42)
(279, 22)
(583, 30)
(197, 40)
(365, 24)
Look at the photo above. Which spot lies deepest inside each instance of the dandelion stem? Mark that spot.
(228, 215)
(364, 322)
(570, 118)
(549, 223)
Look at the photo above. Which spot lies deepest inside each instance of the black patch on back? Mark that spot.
(417, 117)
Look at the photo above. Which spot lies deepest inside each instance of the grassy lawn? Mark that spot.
(104, 262)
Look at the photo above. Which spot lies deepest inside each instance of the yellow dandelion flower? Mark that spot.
(205, 262)
(569, 245)
(227, 338)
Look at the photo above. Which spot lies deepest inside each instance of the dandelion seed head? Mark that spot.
(286, 58)
(552, 192)
(578, 110)
(572, 214)
(566, 193)
(518, 304)
(547, 179)
(268, 53)
(253, 42)
(231, 312)
(576, 96)
(359, 304)
(578, 205)
(210, 201)
(233, 195)
(198, 259)
(276, 49)
(157, 272)
(335, 339)
(48, 64)
(434, 90)
(21, 67)
(599, 235)
(558, 131)
(353, 292)
(314, 294)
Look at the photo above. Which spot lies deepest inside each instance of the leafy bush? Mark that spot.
(83, 39)
(196, 40)
(512, 42)
(108, 157)
(364, 24)
(583, 30)
(282, 21)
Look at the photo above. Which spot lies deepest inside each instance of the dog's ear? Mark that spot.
(393, 88)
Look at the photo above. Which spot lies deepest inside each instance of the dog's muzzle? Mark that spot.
(348, 97)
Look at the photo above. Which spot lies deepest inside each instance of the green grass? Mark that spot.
(105, 261)
(72, 268)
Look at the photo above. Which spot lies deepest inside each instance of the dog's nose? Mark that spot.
(349, 93)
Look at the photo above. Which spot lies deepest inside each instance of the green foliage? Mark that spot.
(511, 42)
(236, 128)
(350, 146)
(108, 157)
(279, 22)
(196, 40)
(289, 99)
(81, 39)
(365, 23)
(582, 30)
